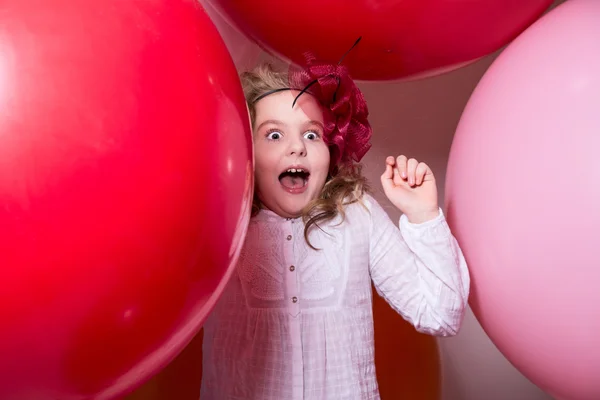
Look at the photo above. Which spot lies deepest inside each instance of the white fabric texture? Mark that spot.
(297, 323)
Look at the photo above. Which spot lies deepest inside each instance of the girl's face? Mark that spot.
(291, 157)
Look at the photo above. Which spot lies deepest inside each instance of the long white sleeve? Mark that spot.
(419, 270)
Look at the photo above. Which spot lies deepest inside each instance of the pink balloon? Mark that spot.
(244, 52)
(523, 198)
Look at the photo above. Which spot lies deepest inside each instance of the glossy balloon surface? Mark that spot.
(125, 186)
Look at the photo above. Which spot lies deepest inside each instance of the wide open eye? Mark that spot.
(274, 134)
(311, 135)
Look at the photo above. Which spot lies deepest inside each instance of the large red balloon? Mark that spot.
(125, 185)
(401, 39)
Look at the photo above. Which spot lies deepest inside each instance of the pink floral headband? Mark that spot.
(347, 129)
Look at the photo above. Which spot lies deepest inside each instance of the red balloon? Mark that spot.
(401, 39)
(125, 190)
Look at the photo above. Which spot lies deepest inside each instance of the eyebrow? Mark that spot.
(277, 122)
(312, 122)
(269, 121)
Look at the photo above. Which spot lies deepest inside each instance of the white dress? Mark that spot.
(295, 323)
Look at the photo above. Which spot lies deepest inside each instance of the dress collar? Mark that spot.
(266, 214)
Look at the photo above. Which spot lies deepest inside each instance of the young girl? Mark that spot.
(295, 321)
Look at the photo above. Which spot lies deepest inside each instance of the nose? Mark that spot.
(297, 148)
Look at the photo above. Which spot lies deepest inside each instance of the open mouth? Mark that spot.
(294, 180)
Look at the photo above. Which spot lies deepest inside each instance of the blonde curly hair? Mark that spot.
(345, 184)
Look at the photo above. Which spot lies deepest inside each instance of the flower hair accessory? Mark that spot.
(347, 129)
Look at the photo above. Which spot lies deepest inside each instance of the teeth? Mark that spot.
(295, 170)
